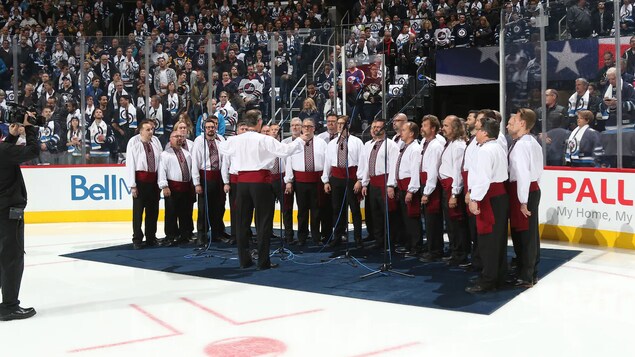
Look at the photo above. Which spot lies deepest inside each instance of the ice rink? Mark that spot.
(584, 308)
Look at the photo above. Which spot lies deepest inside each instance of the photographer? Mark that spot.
(12, 203)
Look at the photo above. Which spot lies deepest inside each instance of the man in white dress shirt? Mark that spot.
(489, 203)
(378, 160)
(175, 179)
(403, 184)
(431, 149)
(342, 178)
(142, 164)
(525, 169)
(207, 163)
(303, 176)
(452, 201)
(252, 157)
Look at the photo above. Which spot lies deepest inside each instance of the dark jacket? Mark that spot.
(12, 188)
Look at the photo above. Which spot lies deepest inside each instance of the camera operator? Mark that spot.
(12, 203)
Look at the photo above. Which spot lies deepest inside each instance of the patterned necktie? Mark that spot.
(341, 152)
(373, 157)
(423, 152)
(213, 156)
(332, 136)
(465, 151)
(309, 165)
(399, 159)
(511, 147)
(276, 167)
(185, 172)
(445, 147)
(147, 147)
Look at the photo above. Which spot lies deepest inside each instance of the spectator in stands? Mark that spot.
(556, 113)
(609, 61)
(310, 111)
(629, 56)
(317, 96)
(163, 75)
(388, 48)
(579, 20)
(50, 136)
(627, 23)
(581, 100)
(483, 34)
(74, 142)
(99, 140)
(462, 34)
(602, 20)
(584, 148)
(609, 103)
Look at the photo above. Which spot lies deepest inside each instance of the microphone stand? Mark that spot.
(282, 251)
(386, 267)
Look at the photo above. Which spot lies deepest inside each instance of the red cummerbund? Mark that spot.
(458, 211)
(402, 184)
(260, 176)
(517, 219)
(307, 177)
(379, 180)
(210, 175)
(276, 177)
(340, 172)
(180, 186)
(233, 178)
(146, 177)
(485, 220)
(434, 199)
(414, 207)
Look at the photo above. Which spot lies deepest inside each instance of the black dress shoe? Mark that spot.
(368, 239)
(478, 288)
(19, 313)
(268, 266)
(429, 258)
(401, 250)
(225, 235)
(137, 246)
(520, 283)
(359, 244)
(249, 264)
(151, 243)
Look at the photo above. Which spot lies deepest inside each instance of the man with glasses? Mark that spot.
(175, 179)
(342, 178)
(142, 161)
(303, 175)
(208, 183)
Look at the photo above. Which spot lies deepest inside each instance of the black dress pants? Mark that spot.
(250, 197)
(211, 209)
(456, 228)
(493, 246)
(11, 259)
(147, 200)
(287, 214)
(308, 205)
(339, 188)
(178, 216)
(527, 243)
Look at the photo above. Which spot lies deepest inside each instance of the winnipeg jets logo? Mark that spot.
(462, 32)
(249, 88)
